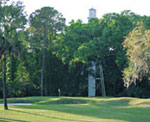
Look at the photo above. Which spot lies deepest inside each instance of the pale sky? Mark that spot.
(79, 9)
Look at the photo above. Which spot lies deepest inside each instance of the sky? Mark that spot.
(79, 9)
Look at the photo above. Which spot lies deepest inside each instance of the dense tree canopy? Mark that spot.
(40, 54)
(100, 40)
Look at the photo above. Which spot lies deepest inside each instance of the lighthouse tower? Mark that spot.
(92, 13)
(91, 76)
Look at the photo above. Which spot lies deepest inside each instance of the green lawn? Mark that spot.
(77, 109)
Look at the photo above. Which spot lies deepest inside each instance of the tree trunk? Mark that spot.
(43, 61)
(11, 66)
(102, 81)
(4, 82)
(43, 70)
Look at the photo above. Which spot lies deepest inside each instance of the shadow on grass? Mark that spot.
(11, 120)
(50, 117)
(121, 102)
(28, 99)
(62, 100)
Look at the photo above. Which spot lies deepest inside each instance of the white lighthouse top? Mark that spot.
(92, 13)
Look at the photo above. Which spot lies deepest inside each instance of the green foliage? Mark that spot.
(67, 51)
(137, 44)
(100, 40)
(45, 23)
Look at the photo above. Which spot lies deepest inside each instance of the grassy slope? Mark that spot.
(77, 109)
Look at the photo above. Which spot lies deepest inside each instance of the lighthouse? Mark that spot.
(92, 68)
(92, 13)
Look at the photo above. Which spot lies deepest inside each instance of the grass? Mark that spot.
(77, 109)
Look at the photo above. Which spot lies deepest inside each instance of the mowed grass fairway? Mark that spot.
(77, 109)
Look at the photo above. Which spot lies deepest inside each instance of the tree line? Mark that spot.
(40, 54)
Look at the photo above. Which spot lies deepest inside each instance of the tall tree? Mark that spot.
(44, 25)
(137, 44)
(12, 21)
